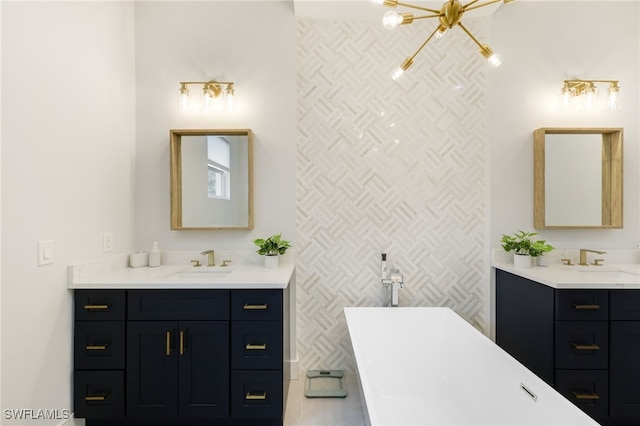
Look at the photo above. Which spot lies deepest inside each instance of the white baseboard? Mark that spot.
(294, 369)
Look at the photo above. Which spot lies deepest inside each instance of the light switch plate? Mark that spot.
(45, 252)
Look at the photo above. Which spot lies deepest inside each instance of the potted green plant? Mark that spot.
(521, 244)
(270, 248)
(538, 250)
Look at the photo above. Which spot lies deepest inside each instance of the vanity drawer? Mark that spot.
(256, 394)
(99, 305)
(99, 345)
(256, 346)
(587, 389)
(625, 305)
(256, 305)
(582, 305)
(178, 305)
(98, 394)
(582, 345)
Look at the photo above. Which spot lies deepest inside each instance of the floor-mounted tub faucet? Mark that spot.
(392, 282)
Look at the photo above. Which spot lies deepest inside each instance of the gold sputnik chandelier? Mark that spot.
(448, 16)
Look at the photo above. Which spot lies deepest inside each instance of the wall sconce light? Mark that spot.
(448, 16)
(583, 94)
(213, 98)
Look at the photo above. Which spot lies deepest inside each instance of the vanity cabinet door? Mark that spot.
(203, 369)
(152, 369)
(625, 370)
(525, 322)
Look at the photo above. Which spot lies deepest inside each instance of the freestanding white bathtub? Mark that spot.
(428, 366)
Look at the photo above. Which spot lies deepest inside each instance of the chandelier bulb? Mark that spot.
(391, 20)
(399, 72)
(441, 31)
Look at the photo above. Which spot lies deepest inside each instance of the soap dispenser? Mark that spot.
(154, 255)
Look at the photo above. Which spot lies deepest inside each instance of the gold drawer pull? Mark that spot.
(587, 347)
(261, 397)
(261, 347)
(591, 307)
(97, 347)
(97, 307)
(168, 341)
(96, 397)
(181, 342)
(585, 395)
(262, 307)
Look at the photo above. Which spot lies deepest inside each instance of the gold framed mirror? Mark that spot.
(578, 178)
(211, 179)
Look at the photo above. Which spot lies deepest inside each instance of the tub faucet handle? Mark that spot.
(567, 262)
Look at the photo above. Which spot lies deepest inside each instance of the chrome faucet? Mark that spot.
(392, 281)
(210, 258)
(583, 256)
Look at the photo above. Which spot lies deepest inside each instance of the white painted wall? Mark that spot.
(250, 43)
(67, 175)
(542, 44)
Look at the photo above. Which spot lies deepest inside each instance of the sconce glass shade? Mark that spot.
(183, 98)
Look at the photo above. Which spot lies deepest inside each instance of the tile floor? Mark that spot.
(303, 411)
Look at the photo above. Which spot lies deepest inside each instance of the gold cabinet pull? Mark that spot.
(168, 343)
(585, 395)
(97, 347)
(261, 347)
(262, 307)
(585, 347)
(251, 396)
(97, 307)
(181, 342)
(96, 397)
(587, 307)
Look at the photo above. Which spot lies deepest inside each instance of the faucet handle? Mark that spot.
(596, 262)
(225, 263)
(567, 262)
(195, 263)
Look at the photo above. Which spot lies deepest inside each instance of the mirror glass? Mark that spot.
(211, 179)
(578, 178)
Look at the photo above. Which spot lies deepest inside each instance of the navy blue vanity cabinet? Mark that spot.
(99, 353)
(257, 354)
(594, 341)
(178, 354)
(181, 357)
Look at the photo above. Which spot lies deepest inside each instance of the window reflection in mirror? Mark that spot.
(211, 179)
(578, 178)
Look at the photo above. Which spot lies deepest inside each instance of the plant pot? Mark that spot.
(522, 261)
(542, 260)
(271, 261)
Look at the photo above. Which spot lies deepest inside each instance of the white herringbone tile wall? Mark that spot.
(388, 167)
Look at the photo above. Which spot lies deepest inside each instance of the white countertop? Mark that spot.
(162, 277)
(614, 276)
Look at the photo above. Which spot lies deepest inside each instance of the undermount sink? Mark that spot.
(200, 274)
(610, 274)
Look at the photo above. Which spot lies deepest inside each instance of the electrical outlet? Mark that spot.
(107, 242)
